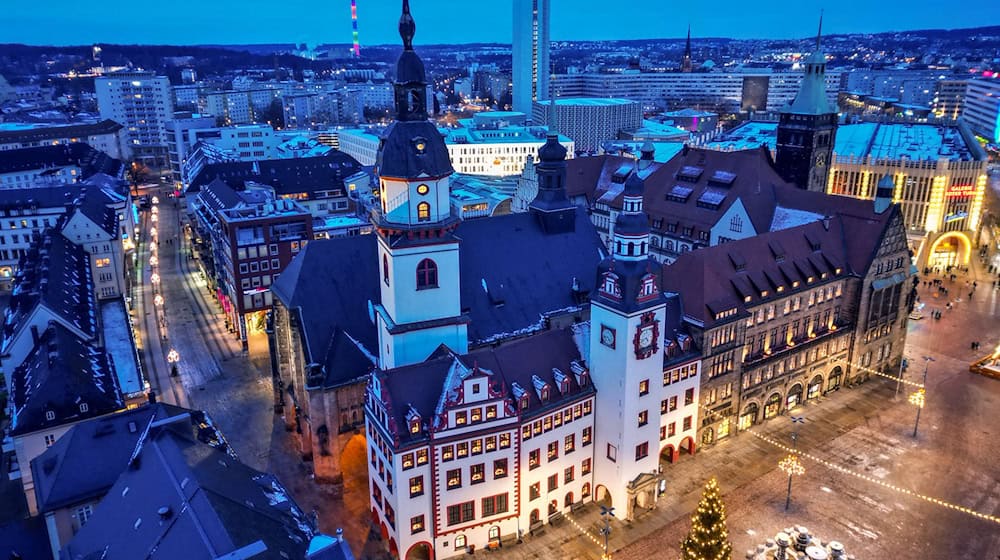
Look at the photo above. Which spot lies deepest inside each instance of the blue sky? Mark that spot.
(69, 22)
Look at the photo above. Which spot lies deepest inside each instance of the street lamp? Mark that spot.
(154, 278)
(158, 300)
(153, 261)
(793, 467)
(606, 513)
(172, 358)
(918, 398)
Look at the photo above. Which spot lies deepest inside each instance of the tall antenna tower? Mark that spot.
(354, 24)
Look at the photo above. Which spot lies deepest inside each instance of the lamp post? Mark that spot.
(172, 358)
(606, 513)
(791, 464)
(918, 398)
(793, 467)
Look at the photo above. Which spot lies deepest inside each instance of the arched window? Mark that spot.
(631, 248)
(385, 269)
(427, 275)
(424, 212)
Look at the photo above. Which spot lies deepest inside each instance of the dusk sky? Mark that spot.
(70, 22)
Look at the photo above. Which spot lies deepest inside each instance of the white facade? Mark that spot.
(982, 108)
(40, 177)
(107, 256)
(499, 153)
(142, 102)
(530, 50)
(726, 91)
(488, 472)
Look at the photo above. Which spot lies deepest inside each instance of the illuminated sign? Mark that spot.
(961, 190)
(955, 217)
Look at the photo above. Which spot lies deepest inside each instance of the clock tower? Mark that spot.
(418, 256)
(807, 128)
(626, 359)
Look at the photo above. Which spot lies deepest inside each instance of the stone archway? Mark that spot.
(687, 445)
(815, 387)
(773, 406)
(749, 416)
(603, 496)
(420, 551)
(668, 454)
(794, 396)
(951, 248)
(833, 381)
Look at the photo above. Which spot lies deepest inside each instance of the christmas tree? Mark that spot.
(708, 538)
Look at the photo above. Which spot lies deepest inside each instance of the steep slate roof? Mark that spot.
(214, 504)
(719, 278)
(95, 204)
(286, 176)
(79, 154)
(512, 273)
(398, 156)
(427, 386)
(86, 460)
(751, 179)
(55, 273)
(60, 374)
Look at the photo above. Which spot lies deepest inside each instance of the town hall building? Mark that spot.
(508, 369)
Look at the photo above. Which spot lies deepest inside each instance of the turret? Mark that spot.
(884, 193)
(553, 209)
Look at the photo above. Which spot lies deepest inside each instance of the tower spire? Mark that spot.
(407, 27)
(686, 60)
(819, 33)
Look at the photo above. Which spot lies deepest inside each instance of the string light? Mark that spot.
(881, 374)
(882, 483)
(584, 531)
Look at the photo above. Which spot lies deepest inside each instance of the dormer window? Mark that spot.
(610, 286)
(84, 407)
(522, 404)
(562, 380)
(50, 415)
(420, 144)
(648, 286)
(545, 393)
(415, 426)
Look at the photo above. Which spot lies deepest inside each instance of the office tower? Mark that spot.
(530, 48)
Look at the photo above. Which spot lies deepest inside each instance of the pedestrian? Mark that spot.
(975, 285)
(972, 346)
(970, 296)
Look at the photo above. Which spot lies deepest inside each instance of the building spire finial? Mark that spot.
(687, 49)
(407, 27)
(819, 33)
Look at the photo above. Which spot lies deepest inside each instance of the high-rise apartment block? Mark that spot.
(142, 102)
(530, 48)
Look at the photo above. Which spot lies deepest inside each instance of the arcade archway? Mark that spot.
(951, 249)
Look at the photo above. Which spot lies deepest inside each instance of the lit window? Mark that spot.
(423, 212)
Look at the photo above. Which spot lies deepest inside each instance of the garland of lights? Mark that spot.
(882, 483)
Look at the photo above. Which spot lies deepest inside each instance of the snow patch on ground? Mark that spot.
(862, 531)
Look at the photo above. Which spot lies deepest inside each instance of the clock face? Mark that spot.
(646, 337)
(607, 336)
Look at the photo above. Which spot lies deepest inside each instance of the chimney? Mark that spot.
(340, 535)
(165, 513)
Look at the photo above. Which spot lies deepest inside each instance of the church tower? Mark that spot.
(626, 359)
(807, 128)
(686, 61)
(418, 256)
